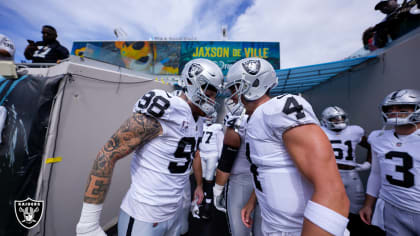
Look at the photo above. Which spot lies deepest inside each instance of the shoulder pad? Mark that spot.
(161, 104)
(375, 134)
(289, 110)
(359, 130)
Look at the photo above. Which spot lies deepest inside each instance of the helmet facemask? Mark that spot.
(334, 118)
(236, 88)
(337, 122)
(407, 102)
(198, 77)
(402, 117)
(211, 119)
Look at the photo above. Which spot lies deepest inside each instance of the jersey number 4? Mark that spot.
(292, 106)
(254, 168)
(408, 177)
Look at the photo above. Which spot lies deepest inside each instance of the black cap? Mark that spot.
(50, 27)
(380, 5)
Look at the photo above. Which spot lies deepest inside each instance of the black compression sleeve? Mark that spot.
(227, 159)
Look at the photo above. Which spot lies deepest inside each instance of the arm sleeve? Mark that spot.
(64, 53)
(29, 52)
(374, 181)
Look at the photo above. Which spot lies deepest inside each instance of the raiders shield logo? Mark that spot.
(252, 67)
(194, 70)
(29, 212)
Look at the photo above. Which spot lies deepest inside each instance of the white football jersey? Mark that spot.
(344, 143)
(282, 191)
(212, 141)
(160, 169)
(399, 161)
(241, 164)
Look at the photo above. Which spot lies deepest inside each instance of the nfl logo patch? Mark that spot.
(184, 126)
(29, 212)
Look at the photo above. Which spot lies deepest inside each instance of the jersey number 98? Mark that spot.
(158, 104)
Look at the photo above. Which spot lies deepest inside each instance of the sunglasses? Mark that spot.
(47, 33)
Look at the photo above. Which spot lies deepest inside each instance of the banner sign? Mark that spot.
(169, 57)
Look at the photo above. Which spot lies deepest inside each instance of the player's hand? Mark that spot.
(366, 214)
(218, 198)
(31, 47)
(199, 194)
(89, 221)
(246, 214)
(364, 166)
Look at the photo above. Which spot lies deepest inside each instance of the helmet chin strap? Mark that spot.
(395, 125)
(200, 100)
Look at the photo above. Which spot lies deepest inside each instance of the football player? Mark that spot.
(296, 180)
(344, 138)
(162, 132)
(210, 148)
(394, 181)
(234, 169)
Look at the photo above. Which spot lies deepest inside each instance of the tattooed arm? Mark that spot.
(137, 130)
(134, 132)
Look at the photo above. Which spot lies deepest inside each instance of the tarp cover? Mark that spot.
(28, 101)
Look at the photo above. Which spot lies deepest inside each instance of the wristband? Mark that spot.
(89, 218)
(217, 189)
(325, 218)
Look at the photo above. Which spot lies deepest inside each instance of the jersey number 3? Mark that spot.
(408, 177)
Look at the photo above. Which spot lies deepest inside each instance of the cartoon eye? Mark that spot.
(143, 59)
(138, 45)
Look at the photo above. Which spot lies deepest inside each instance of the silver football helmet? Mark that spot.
(334, 118)
(409, 97)
(251, 77)
(176, 93)
(197, 76)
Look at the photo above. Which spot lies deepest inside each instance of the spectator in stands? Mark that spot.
(387, 7)
(49, 50)
(388, 27)
(368, 39)
(399, 21)
(7, 48)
